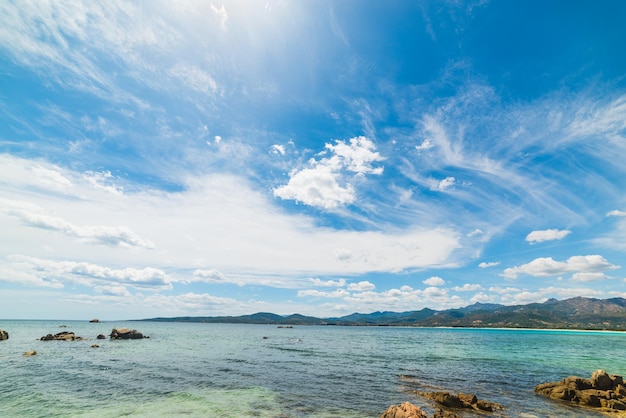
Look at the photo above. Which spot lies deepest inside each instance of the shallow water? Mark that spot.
(224, 370)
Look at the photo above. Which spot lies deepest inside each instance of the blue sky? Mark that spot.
(318, 157)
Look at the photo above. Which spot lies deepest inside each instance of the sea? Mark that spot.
(237, 370)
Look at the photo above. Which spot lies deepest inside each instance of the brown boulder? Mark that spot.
(404, 410)
(602, 391)
(3, 335)
(126, 334)
(61, 336)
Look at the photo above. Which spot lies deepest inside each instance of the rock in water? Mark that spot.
(404, 410)
(461, 401)
(126, 334)
(61, 336)
(602, 391)
(4, 335)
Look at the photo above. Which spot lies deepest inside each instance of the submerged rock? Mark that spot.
(62, 336)
(603, 391)
(460, 401)
(29, 353)
(126, 334)
(404, 410)
(4, 335)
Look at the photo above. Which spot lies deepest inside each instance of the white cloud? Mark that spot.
(335, 294)
(323, 184)
(425, 145)
(35, 217)
(467, 287)
(328, 283)
(485, 265)
(547, 235)
(221, 223)
(588, 276)
(362, 286)
(316, 187)
(357, 156)
(616, 213)
(57, 273)
(543, 294)
(277, 149)
(209, 276)
(548, 267)
(503, 290)
(483, 298)
(446, 183)
(434, 281)
(476, 232)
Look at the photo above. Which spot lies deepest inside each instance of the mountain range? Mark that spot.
(574, 313)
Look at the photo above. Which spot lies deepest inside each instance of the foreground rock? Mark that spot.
(4, 335)
(62, 336)
(460, 401)
(603, 391)
(404, 410)
(126, 334)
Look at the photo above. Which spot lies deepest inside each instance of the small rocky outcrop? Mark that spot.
(62, 336)
(95, 320)
(126, 334)
(460, 401)
(30, 353)
(604, 391)
(101, 337)
(404, 410)
(3, 335)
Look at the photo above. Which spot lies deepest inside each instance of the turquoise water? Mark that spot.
(223, 370)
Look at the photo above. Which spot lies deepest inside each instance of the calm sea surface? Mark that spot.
(222, 370)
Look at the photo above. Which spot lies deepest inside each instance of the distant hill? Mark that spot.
(575, 313)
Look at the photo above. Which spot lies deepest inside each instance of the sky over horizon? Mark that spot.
(199, 158)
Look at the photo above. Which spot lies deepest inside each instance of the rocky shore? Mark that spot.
(448, 405)
(602, 391)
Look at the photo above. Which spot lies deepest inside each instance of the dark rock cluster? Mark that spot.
(61, 336)
(4, 335)
(449, 403)
(126, 334)
(461, 401)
